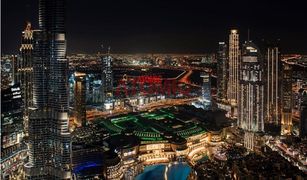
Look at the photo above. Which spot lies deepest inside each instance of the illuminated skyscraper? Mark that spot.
(222, 71)
(97, 97)
(89, 87)
(13, 147)
(303, 120)
(286, 118)
(206, 91)
(251, 93)
(49, 137)
(25, 69)
(80, 98)
(234, 54)
(107, 81)
(273, 85)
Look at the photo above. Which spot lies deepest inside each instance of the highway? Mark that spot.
(95, 113)
(186, 79)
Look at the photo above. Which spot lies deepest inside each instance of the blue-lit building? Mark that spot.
(89, 87)
(93, 86)
(206, 91)
(97, 95)
(88, 147)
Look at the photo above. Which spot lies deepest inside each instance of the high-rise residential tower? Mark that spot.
(273, 84)
(222, 71)
(80, 98)
(286, 104)
(251, 93)
(234, 55)
(49, 136)
(25, 69)
(107, 81)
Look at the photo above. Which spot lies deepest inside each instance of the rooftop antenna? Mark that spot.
(248, 34)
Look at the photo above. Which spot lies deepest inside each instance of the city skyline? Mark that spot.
(163, 27)
(238, 112)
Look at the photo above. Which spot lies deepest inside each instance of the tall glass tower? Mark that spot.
(25, 70)
(49, 137)
(80, 98)
(206, 91)
(251, 93)
(107, 81)
(234, 54)
(222, 69)
(286, 115)
(273, 84)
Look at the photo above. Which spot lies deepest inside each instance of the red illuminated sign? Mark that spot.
(150, 85)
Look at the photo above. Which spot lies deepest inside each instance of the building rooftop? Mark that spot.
(122, 141)
(152, 126)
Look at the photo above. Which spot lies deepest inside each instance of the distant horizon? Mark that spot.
(148, 53)
(156, 26)
(212, 50)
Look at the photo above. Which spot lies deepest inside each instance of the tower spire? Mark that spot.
(28, 26)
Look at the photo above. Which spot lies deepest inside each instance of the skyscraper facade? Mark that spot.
(303, 118)
(13, 147)
(49, 137)
(251, 93)
(234, 55)
(107, 81)
(206, 91)
(286, 114)
(25, 70)
(80, 98)
(273, 84)
(97, 93)
(222, 69)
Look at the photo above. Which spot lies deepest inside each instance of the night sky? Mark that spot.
(163, 26)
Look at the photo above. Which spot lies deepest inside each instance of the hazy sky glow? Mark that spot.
(163, 25)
